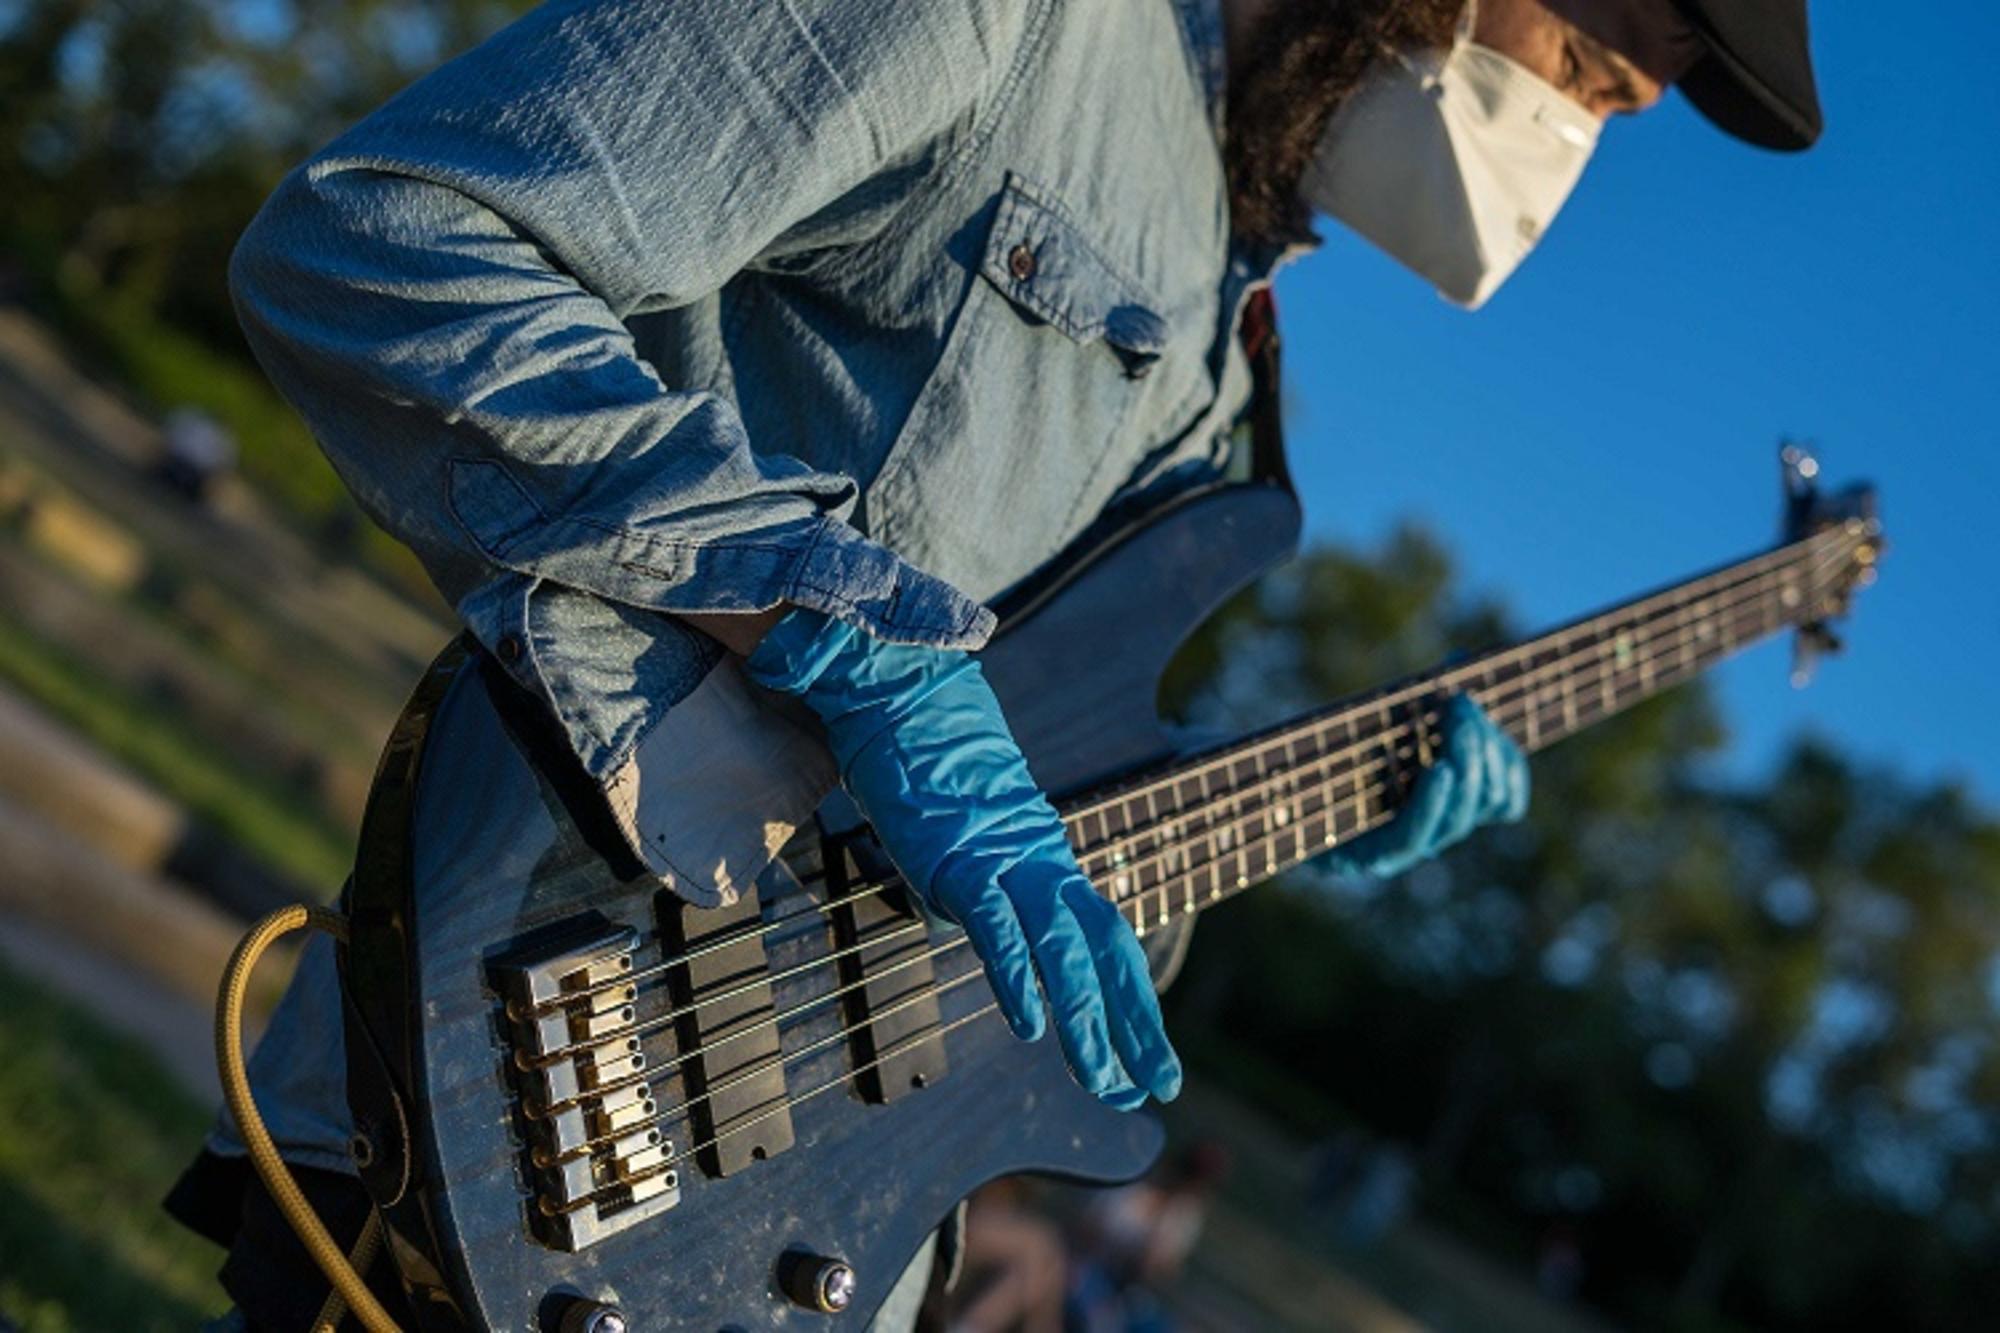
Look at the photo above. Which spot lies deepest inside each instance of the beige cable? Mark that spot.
(349, 1291)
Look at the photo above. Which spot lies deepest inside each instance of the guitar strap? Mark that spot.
(1263, 420)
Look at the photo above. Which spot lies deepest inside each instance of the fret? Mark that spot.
(1606, 650)
(1246, 832)
(1187, 879)
(1354, 765)
(1241, 814)
(1685, 631)
(1799, 598)
(1531, 707)
(1392, 748)
(1567, 676)
(1115, 825)
(1153, 858)
(1355, 809)
(1292, 810)
(1328, 785)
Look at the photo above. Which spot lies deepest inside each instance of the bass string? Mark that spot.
(684, 1109)
(1678, 600)
(1331, 808)
(1291, 733)
(781, 1059)
(1503, 712)
(1500, 701)
(1641, 652)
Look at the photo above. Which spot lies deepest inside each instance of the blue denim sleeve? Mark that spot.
(441, 291)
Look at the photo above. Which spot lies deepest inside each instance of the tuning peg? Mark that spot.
(1812, 642)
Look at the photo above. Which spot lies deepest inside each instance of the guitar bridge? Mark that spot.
(598, 1160)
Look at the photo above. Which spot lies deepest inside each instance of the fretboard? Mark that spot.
(1178, 839)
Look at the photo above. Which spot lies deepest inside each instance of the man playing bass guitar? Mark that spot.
(800, 332)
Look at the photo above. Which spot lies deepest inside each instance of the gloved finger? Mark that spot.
(1124, 1096)
(1069, 973)
(1498, 753)
(1407, 839)
(1465, 755)
(1519, 785)
(994, 930)
(1138, 1030)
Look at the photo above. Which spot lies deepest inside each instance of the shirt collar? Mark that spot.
(1201, 27)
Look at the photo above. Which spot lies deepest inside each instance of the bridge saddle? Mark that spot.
(598, 1160)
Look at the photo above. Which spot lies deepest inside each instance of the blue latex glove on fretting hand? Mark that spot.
(926, 754)
(1481, 778)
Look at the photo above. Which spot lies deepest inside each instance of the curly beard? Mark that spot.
(1305, 57)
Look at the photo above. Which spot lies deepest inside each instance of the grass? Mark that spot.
(92, 1133)
(179, 761)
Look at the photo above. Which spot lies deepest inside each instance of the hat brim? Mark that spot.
(1737, 103)
(1755, 78)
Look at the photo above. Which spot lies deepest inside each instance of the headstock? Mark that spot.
(1850, 562)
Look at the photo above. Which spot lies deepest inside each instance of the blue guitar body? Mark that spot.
(473, 858)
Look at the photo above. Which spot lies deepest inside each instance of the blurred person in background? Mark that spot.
(1016, 1265)
(197, 449)
(664, 331)
(1134, 1240)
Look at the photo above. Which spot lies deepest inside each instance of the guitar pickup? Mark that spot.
(886, 976)
(598, 1161)
(732, 1064)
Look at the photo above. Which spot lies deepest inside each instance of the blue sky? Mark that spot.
(1610, 420)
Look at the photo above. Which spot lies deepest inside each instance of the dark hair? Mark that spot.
(1308, 55)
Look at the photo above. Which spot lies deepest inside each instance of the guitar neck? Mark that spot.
(1177, 840)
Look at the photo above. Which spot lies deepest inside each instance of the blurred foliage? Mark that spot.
(83, 1243)
(138, 138)
(283, 829)
(1741, 1044)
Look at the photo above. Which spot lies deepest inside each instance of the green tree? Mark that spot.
(1741, 1042)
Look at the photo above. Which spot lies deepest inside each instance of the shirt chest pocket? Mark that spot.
(1043, 388)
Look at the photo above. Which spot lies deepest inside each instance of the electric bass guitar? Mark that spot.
(584, 1105)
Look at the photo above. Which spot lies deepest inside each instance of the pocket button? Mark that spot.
(1021, 262)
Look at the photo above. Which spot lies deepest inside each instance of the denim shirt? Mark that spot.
(870, 306)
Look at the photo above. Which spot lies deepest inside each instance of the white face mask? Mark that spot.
(1454, 162)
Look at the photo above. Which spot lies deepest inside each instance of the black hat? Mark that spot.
(1754, 78)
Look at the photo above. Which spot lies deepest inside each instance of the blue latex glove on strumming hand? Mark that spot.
(1481, 778)
(926, 754)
